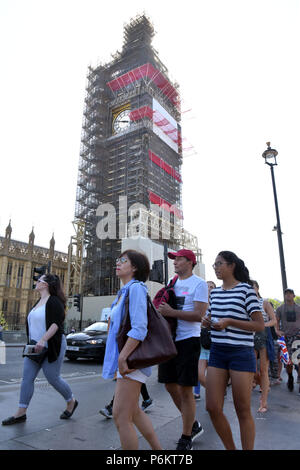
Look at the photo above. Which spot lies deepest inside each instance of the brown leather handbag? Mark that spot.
(157, 347)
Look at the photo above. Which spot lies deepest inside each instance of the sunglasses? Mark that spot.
(121, 260)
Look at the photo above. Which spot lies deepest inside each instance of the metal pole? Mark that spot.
(81, 312)
(279, 234)
(166, 263)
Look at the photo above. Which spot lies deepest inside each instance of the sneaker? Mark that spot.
(147, 404)
(107, 411)
(290, 383)
(197, 397)
(184, 444)
(197, 430)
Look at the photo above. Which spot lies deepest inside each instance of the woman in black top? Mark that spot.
(44, 326)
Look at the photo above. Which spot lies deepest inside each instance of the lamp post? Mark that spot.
(270, 159)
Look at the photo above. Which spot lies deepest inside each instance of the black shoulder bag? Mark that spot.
(29, 351)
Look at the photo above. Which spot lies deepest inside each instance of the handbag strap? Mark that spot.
(173, 281)
(149, 302)
(126, 303)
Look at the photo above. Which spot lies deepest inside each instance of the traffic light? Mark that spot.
(49, 266)
(40, 271)
(77, 302)
(157, 271)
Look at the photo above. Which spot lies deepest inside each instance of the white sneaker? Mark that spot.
(147, 404)
(197, 430)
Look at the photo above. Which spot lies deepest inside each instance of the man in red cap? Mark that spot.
(180, 374)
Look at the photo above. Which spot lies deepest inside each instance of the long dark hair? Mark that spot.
(55, 287)
(241, 272)
(255, 283)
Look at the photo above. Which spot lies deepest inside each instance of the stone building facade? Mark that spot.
(17, 262)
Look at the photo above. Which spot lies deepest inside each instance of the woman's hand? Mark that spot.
(48, 335)
(123, 366)
(221, 324)
(206, 322)
(38, 347)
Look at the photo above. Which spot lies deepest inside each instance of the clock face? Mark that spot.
(121, 121)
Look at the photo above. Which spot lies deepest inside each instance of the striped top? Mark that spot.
(264, 313)
(238, 303)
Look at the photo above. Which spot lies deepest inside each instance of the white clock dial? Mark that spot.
(122, 121)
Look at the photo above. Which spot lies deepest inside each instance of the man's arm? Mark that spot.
(193, 315)
(278, 316)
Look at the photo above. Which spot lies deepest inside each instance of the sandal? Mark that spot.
(262, 409)
(67, 414)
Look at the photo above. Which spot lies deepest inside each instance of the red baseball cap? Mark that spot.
(186, 253)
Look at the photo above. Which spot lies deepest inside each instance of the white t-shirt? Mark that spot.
(188, 291)
(37, 323)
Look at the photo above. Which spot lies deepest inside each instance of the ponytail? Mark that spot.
(241, 272)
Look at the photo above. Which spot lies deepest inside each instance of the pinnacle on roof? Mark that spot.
(139, 32)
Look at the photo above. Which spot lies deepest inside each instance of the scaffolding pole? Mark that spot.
(75, 262)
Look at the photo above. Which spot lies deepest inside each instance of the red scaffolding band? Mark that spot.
(165, 166)
(146, 71)
(166, 205)
(169, 129)
(141, 113)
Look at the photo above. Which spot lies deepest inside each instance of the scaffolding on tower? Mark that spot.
(141, 161)
(75, 260)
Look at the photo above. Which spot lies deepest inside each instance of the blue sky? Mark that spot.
(237, 63)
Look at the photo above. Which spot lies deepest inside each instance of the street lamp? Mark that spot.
(270, 159)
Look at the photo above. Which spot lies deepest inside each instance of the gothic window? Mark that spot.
(8, 274)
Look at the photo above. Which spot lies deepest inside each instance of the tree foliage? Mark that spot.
(3, 322)
(276, 303)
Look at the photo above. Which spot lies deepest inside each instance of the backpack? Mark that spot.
(167, 294)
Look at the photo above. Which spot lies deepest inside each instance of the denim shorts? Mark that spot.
(260, 340)
(204, 354)
(240, 358)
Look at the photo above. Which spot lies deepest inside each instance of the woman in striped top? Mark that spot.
(235, 316)
(264, 347)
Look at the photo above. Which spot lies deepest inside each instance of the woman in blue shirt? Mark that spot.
(133, 269)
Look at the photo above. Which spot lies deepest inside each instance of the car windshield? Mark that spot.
(99, 326)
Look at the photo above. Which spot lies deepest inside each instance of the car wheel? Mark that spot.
(72, 358)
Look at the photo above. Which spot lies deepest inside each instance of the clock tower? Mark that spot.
(130, 154)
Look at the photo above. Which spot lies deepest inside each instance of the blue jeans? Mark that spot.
(51, 372)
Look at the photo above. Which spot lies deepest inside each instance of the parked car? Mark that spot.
(90, 343)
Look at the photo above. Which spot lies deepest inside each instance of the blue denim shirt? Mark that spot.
(137, 292)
